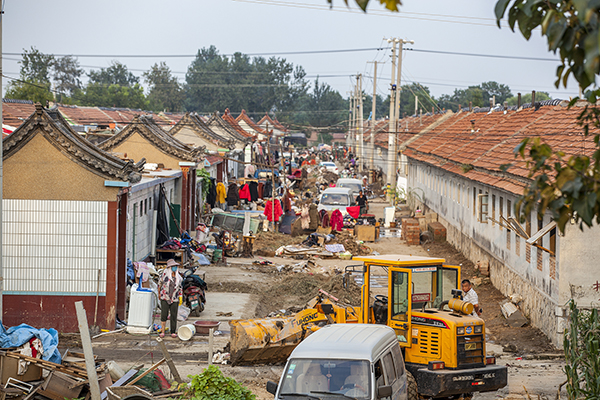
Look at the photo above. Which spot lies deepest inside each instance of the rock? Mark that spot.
(510, 348)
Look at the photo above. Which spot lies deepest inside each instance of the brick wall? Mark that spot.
(411, 231)
(437, 230)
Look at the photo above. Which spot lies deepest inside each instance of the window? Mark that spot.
(493, 209)
(474, 199)
(527, 245)
(501, 207)
(483, 208)
(141, 208)
(388, 367)
(398, 360)
(508, 233)
(539, 258)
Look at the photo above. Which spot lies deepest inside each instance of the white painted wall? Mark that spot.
(54, 247)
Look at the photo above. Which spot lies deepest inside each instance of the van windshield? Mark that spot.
(346, 377)
(355, 187)
(332, 199)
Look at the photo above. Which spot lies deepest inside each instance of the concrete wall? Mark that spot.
(190, 137)
(535, 276)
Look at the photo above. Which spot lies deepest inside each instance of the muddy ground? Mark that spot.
(275, 289)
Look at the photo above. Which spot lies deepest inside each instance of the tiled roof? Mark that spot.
(58, 131)
(194, 122)
(218, 122)
(486, 142)
(244, 117)
(15, 112)
(272, 123)
(147, 128)
(227, 117)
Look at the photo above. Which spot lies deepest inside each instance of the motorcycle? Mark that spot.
(194, 296)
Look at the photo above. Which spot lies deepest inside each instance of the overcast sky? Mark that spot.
(114, 28)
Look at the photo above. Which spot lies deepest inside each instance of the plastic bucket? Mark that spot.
(186, 332)
(217, 255)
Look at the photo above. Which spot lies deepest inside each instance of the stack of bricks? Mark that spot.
(438, 231)
(411, 231)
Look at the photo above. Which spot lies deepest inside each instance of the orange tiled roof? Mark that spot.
(231, 121)
(274, 123)
(15, 112)
(487, 140)
(244, 117)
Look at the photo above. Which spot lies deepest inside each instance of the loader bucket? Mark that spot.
(252, 341)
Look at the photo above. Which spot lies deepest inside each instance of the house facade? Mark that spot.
(64, 220)
(458, 168)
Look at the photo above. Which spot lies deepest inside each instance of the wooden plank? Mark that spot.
(152, 368)
(541, 232)
(170, 362)
(86, 342)
(121, 381)
(48, 365)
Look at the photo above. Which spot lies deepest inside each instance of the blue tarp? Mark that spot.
(16, 336)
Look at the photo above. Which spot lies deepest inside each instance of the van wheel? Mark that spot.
(411, 387)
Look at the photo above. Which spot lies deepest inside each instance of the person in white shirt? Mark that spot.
(470, 296)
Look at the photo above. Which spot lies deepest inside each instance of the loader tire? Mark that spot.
(411, 387)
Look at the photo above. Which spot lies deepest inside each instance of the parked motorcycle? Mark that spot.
(194, 296)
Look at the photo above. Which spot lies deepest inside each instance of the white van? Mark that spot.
(340, 361)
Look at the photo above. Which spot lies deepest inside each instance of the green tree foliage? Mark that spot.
(67, 77)
(212, 384)
(324, 107)
(114, 86)
(165, 92)
(526, 98)
(407, 99)
(568, 187)
(491, 89)
(34, 78)
(215, 82)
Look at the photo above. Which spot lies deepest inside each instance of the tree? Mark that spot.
(114, 86)
(66, 73)
(491, 89)
(526, 98)
(165, 92)
(407, 99)
(34, 78)
(215, 82)
(568, 188)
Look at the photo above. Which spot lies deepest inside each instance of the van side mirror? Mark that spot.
(382, 391)
(272, 387)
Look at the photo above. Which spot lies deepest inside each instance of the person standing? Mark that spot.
(169, 292)
(361, 200)
(470, 296)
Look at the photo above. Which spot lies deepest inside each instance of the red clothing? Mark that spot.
(269, 210)
(353, 211)
(337, 220)
(245, 193)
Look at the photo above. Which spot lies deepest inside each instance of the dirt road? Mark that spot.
(247, 290)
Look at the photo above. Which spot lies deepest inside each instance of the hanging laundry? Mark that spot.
(253, 190)
(211, 197)
(261, 190)
(232, 195)
(221, 193)
(268, 189)
(269, 211)
(324, 218)
(249, 171)
(337, 220)
(245, 192)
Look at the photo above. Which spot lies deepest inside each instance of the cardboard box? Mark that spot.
(366, 233)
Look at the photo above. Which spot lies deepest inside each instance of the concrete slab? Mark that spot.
(241, 305)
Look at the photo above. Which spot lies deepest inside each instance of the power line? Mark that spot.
(283, 53)
(453, 53)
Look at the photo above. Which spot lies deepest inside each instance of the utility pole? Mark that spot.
(373, 119)
(401, 42)
(353, 133)
(1, 175)
(360, 122)
(349, 135)
(391, 131)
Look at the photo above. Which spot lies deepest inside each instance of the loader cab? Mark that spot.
(413, 284)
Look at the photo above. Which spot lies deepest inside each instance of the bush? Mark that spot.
(212, 384)
(582, 353)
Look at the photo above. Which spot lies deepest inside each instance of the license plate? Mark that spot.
(194, 304)
(471, 346)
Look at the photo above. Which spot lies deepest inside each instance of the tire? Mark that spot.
(411, 389)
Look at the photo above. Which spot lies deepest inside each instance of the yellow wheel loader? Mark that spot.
(443, 344)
